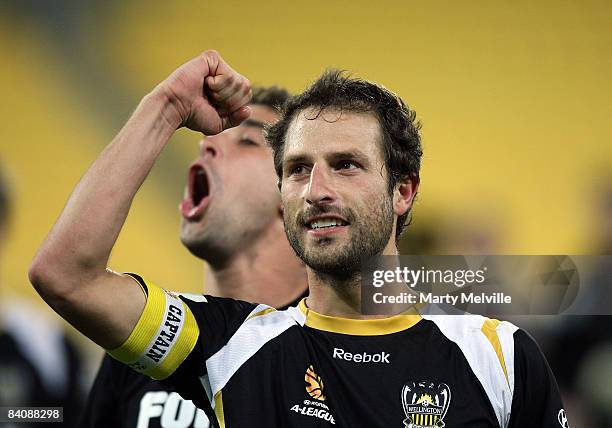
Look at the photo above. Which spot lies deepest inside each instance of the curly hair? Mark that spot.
(335, 90)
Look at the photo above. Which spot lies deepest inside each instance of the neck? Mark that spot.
(267, 271)
(339, 296)
(332, 296)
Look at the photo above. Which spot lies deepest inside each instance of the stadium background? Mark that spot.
(514, 98)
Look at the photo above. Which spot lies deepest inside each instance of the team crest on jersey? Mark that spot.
(425, 404)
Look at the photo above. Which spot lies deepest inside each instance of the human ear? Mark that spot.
(405, 191)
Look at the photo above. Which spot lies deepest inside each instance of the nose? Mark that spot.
(319, 189)
(209, 147)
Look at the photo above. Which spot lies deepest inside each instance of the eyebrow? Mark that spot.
(296, 159)
(356, 154)
(302, 158)
(254, 123)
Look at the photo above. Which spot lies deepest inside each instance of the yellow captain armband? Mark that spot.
(164, 336)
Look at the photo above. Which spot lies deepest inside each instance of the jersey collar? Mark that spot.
(356, 327)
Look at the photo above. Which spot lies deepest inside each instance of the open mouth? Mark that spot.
(198, 193)
(325, 224)
(198, 184)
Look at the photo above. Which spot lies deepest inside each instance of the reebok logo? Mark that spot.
(364, 357)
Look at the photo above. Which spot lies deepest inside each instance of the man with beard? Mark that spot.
(347, 153)
(234, 223)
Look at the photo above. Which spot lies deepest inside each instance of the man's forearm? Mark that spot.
(81, 241)
(69, 270)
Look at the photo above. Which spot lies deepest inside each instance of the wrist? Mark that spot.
(166, 106)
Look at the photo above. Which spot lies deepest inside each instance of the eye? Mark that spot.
(248, 142)
(297, 170)
(346, 164)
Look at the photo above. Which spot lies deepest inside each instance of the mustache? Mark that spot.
(318, 209)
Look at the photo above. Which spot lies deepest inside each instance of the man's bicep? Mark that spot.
(106, 309)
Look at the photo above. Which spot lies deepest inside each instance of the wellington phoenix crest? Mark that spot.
(425, 404)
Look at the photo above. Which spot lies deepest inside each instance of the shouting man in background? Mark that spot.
(233, 222)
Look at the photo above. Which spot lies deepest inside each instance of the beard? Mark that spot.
(369, 233)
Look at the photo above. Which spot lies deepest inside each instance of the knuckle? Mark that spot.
(210, 53)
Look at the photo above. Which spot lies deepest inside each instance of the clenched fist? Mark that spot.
(206, 94)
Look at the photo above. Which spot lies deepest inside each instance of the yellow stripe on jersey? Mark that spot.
(219, 409)
(164, 336)
(359, 327)
(489, 329)
(260, 313)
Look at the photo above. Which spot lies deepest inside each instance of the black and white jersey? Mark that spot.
(252, 365)
(123, 398)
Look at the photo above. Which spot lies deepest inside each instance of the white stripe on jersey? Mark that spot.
(251, 336)
(465, 331)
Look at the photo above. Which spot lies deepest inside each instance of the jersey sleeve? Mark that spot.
(173, 327)
(536, 400)
(103, 401)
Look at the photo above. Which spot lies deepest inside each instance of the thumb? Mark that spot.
(235, 118)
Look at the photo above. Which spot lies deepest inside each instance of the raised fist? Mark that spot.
(208, 96)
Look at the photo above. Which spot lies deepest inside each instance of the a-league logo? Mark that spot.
(425, 404)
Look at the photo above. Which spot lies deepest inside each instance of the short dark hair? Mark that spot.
(336, 90)
(273, 97)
